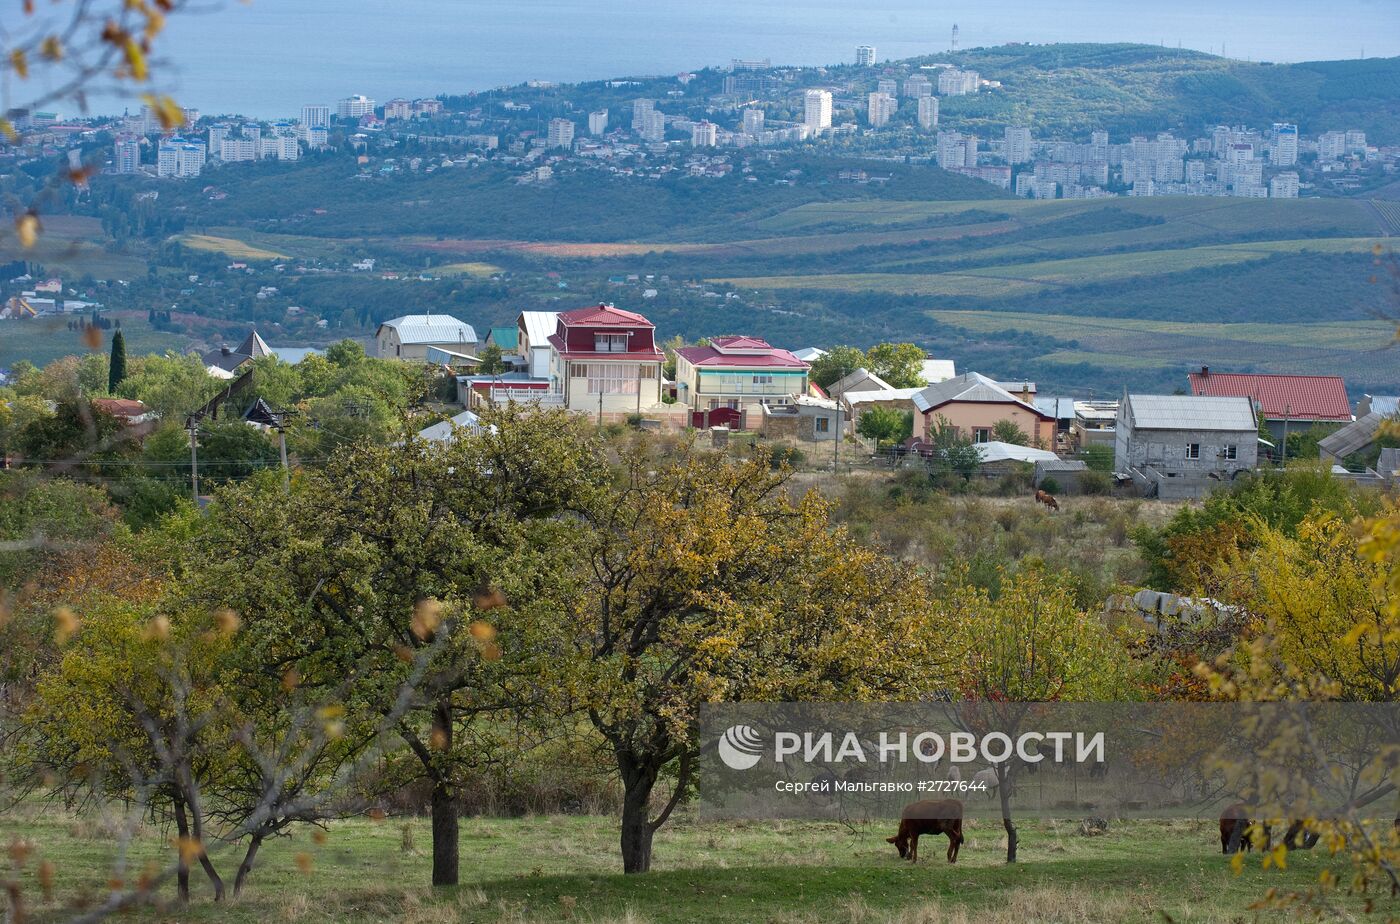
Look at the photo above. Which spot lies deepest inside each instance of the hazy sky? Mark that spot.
(268, 56)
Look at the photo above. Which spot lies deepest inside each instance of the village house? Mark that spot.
(732, 378)
(1285, 402)
(1180, 446)
(411, 336)
(973, 405)
(605, 361)
(224, 363)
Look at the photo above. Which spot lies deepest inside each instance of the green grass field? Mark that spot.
(1358, 347)
(41, 340)
(1022, 278)
(72, 245)
(565, 867)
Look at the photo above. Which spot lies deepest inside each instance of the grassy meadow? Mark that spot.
(565, 868)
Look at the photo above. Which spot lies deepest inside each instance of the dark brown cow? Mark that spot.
(1234, 830)
(943, 816)
(1046, 498)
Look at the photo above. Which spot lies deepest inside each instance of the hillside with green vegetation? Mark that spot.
(1076, 88)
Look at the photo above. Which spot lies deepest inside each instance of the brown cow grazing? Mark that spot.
(1046, 498)
(943, 816)
(1234, 830)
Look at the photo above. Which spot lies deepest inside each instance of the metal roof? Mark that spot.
(995, 451)
(1354, 437)
(443, 432)
(506, 337)
(969, 387)
(431, 328)
(1297, 397)
(539, 325)
(1191, 412)
(888, 394)
(938, 370)
(1059, 408)
(604, 315)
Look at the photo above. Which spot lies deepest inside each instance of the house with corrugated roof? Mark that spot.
(1193, 439)
(972, 404)
(1285, 402)
(533, 330)
(411, 336)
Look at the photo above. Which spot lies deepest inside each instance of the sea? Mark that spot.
(267, 58)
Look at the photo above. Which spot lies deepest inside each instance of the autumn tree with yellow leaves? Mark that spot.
(705, 580)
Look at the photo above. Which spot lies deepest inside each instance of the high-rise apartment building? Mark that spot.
(918, 86)
(865, 55)
(1017, 147)
(955, 82)
(816, 113)
(880, 108)
(753, 121)
(598, 122)
(126, 154)
(704, 135)
(315, 116)
(640, 108)
(928, 113)
(653, 126)
(398, 109)
(352, 107)
(561, 133)
(1283, 151)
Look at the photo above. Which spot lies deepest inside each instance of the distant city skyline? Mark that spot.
(290, 53)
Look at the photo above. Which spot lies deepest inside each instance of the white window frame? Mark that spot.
(1193, 450)
(1232, 452)
(609, 343)
(613, 378)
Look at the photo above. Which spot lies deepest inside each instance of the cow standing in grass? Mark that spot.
(943, 816)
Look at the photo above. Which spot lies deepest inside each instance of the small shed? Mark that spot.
(1064, 472)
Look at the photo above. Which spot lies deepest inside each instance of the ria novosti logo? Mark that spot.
(740, 747)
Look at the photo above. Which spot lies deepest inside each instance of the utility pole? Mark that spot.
(282, 449)
(1287, 412)
(836, 443)
(193, 426)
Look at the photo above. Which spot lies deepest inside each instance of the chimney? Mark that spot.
(1205, 370)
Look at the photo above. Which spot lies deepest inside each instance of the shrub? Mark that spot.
(1050, 486)
(1095, 482)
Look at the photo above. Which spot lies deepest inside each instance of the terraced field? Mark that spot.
(1015, 278)
(1365, 350)
(72, 245)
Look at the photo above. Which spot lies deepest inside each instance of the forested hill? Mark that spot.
(1076, 88)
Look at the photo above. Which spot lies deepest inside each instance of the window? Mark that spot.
(823, 424)
(609, 343)
(981, 435)
(612, 378)
(1232, 452)
(763, 380)
(1193, 450)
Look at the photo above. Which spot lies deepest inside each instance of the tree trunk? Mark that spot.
(444, 804)
(1004, 792)
(182, 866)
(197, 829)
(638, 780)
(246, 866)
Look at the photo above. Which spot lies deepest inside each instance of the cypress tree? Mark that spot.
(116, 367)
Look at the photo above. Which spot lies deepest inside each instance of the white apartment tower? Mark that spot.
(753, 121)
(918, 86)
(315, 116)
(640, 108)
(1018, 144)
(954, 82)
(880, 108)
(928, 113)
(352, 107)
(817, 111)
(126, 156)
(704, 135)
(865, 55)
(398, 109)
(561, 133)
(1284, 152)
(598, 122)
(653, 126)
(1284, 186)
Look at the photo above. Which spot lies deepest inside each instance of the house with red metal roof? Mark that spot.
(1285, 402)
(730, 379)
(605, 361)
